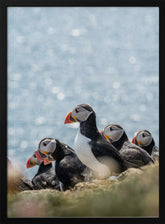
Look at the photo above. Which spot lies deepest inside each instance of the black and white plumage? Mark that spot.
(91, 148)
(45, 176)
(116, 135)
(69, 169)
(144, 139)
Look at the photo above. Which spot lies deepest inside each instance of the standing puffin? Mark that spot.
(45, 176)
(116, 135)
(145, 140)
(68, 167)
(91, 148)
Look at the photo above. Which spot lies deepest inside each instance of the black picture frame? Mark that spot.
(3, 108)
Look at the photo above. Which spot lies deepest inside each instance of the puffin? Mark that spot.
(45, 176)
(68, 168)
(33, 161)
(117, 136)
(144, 139)
(91, 147)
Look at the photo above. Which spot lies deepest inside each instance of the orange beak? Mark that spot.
(133, 140)
(38, 156)
(69, 119)
(46, 161)
(29, 164)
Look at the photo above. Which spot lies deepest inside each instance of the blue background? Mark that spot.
(59, 57)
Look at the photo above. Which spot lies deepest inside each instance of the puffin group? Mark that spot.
(96, 154)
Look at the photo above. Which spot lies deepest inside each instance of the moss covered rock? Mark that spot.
(134, 193)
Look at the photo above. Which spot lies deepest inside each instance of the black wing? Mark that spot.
(155, 153)
(70, 170)
(134, 152)
(45, 178)
(102, 148)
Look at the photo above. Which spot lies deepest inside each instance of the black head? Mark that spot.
(113, 132)
(79, 114)
(142, 138)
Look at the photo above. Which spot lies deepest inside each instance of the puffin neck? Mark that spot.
(60, 151)
(44, 167)
(118, 144)
(149, 147)
(88, 127)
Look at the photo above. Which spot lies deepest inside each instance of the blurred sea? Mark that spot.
(59, 57)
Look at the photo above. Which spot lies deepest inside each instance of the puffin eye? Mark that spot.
(111, 129)
(44, 144)
(143, 135)
(76, 110)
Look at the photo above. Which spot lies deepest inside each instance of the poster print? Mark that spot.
(106, 61)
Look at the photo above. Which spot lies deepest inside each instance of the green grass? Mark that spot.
(134, 194)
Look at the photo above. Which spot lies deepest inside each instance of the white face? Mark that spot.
(80, 113)
(34, 160)
(47, 146)
(143, 138)
(113, 132)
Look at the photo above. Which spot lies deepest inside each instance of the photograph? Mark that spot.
(82, 112)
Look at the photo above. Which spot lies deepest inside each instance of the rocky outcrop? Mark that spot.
(16, 180)
(134, 193)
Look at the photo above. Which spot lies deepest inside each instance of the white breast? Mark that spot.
(84, 153)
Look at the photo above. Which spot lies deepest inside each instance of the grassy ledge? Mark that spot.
(134, 194)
